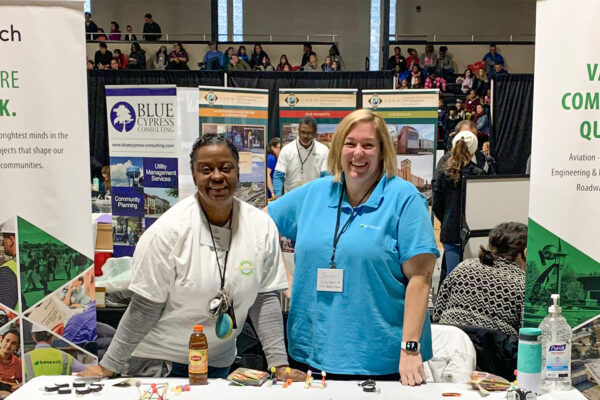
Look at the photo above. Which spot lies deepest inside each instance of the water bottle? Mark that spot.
(556, 348)
(529, 360)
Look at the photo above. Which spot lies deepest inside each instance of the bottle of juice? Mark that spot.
(198, 359)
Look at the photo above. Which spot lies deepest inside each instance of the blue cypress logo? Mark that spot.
(122, 117)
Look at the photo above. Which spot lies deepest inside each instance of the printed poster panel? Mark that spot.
(45, 175)
(242, 116)
(327, 106)
(142, 132)
(563, 255)
(411, 119)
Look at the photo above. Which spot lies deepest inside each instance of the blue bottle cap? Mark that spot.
(529, 333)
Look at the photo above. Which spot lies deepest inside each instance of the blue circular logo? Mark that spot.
(122, 117)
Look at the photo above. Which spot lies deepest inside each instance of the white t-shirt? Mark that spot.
(174, 264)
(289, 163)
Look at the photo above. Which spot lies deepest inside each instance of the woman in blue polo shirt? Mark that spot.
(364, 255)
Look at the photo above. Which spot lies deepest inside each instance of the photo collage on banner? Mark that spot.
(563, 255)
(327, 106)
(142, 133)
(47, 290)
(411, 118)
(242, 116)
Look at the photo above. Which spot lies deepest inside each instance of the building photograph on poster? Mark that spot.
(126, 230)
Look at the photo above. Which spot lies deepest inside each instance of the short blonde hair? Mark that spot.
(388, 154)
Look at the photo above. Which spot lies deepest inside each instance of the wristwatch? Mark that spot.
(411, 347)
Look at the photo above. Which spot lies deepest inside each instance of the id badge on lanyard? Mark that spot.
(330, 280)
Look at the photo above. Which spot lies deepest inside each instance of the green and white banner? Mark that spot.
(47, 293)
(243, 116)
(411, 118)
(563, 255)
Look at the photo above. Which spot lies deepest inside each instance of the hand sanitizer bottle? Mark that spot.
(556, 349)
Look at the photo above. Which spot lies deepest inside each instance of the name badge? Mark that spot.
(330, 280)
(221, 236)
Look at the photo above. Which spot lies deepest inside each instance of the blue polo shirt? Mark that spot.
(358, 331)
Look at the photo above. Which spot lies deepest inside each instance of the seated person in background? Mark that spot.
(397, 60)
(452, 119)
(326, 66)
(416, 83)
(101, 36)
(10, 364)
(413, 59)
(283, 61)
(485, 148)
(486, 163)
(403, 84)
(466, 81)
(180, 268)
(427, 60)
(90, 64)
(460, 109)
(137, 57)
(499, 71)
(213, 57)
(300, 161)
(129, 36)
(481, 83)
(312, 65)
(416, 77)
(242, 54)
(487, 99)
(265, 65)
(443, 64)
(237, 64)
(434, 81)
(334, 53)
(306, 52)
(464, 298)
(115, 33)
(178, 58)
(102, 57)
(483, 124)
(120, 57)
(335, 66)
(491, 58)
(114, 65)
(227, 57)
(161, 59)
(472, 101)
(257, 56)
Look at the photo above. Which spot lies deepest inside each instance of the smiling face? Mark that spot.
(8, 345)
(215, 175)
(361, 154)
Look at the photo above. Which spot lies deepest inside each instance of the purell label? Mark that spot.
(558, 357)
(554, 347)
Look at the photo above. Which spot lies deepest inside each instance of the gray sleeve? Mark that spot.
(77, 366)
(267, 319)
(141, 315)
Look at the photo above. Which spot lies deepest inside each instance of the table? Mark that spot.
(221, 389)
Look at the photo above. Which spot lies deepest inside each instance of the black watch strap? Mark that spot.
(411, 347)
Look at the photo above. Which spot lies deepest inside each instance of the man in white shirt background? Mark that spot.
(300, 161)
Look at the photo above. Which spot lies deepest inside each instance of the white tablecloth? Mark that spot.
(221, 389)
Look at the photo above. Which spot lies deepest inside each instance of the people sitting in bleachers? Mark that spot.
(397, 60)
(443, 63)
(464, 298)
(120, 57)
(151, 29)
(257, 56)
(434, 81)
(485, 148)
(161, 59)
(412, 59)
(487, 99)
(283, 61)
(403, 84)
(287, 67)
(335, 66)
(213, 57)
(447, 193)
(449, 125)
(483, 124)
(326, 66)
(265, 65)
(243, 54)
(101, 36)
(90, 27)
(499, 71)
(416, 77)
(334, 53)
(481, 83)
(306, 52)
(178, 58)
(90, 64)
(312, 65)
(129, 36)
(460, 109)
(472, 101)
(102, 57)
(137, 57)
(427, 61)
(115, 33)
(227, 57)
(491, 58)
(466, 81)
(237, 64)
(114, 65)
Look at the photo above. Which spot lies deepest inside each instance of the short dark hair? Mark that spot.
(308, 45)
(13, 331)
(42, 336)
(148, 15)
(443, 49)
(506, 240)
(103, 45)
(498, 63)
(272, 143)
(492, 44)
(212, 140)
(397, 48)
(308, 120)
(87, 13)
(115, 24)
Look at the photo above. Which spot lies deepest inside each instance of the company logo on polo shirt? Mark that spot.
(369, 226)
(375, 101)
(291, 100)
(211, 98)
(122, 117)
(246, 267)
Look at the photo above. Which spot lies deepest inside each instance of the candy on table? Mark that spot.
(323, 382)
(308, 379)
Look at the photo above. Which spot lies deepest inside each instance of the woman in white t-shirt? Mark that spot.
(211, 259)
